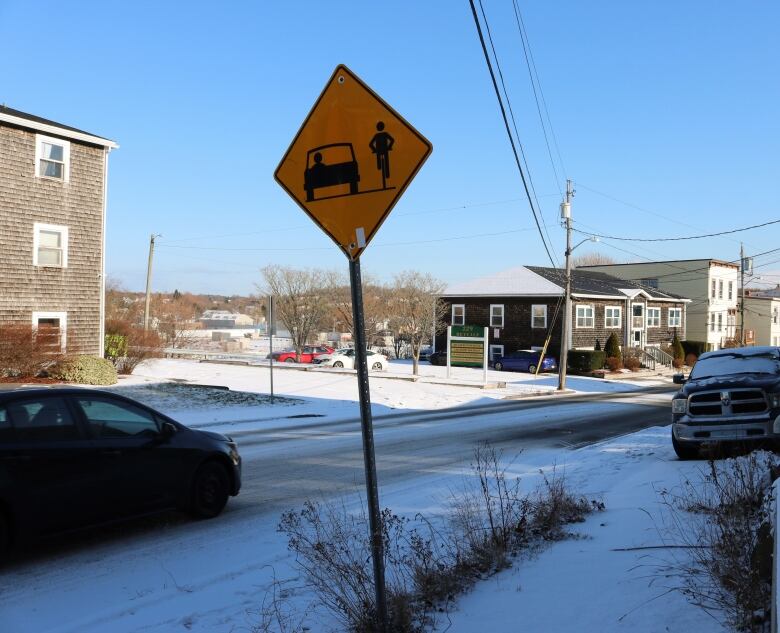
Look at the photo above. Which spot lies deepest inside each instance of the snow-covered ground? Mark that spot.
(331, 394)
(172, 574)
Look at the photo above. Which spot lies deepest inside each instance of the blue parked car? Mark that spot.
(524, 360)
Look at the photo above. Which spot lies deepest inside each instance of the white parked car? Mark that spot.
(346, 358)
(322, 359)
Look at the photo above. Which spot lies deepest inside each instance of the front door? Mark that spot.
(637, 325)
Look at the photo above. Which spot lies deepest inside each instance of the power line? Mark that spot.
(514, 124)
(677, 239)
(508, 131)
(526, 48)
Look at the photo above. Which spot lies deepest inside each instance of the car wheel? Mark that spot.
(685, 450)
(289, 359)
(498, 366)
(377, 366)
(531, 369)
(338, 363)
(210, 490)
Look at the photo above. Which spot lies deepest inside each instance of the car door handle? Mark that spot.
(111, 452)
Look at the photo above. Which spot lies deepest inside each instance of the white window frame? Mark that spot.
(492, 349)
(720, 321)
(62, 230)
(731, 290)
(619, 317)
(655, 320)
(713, 288)
(496, 305)
(585, 319)
(462, 306)
(40, 139)
(62, 316)
(720, 289)
(533, 316)
(675, 317)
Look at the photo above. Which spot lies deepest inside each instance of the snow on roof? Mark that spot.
(519, 281)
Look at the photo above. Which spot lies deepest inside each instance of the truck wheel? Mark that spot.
(685, 450)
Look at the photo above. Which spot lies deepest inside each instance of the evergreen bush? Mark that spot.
(86, 370)
(612, 347)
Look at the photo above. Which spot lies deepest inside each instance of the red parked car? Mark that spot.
(309, 353)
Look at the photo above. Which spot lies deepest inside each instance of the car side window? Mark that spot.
(111, 419)
(42, 419)
(6, 430)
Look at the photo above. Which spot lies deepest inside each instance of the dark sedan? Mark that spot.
(71, 458)
(524, 361)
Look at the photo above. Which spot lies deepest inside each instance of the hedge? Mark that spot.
(86, 370)
(586, 360)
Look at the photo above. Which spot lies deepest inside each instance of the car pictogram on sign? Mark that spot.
(330, 165)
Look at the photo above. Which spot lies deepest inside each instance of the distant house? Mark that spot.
(710, 284)
(223, 319)
(762, 320)
(523, 306)
(53, 192)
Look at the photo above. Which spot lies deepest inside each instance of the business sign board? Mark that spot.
(467, 346)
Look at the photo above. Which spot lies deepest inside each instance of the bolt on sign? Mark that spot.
(351, 161)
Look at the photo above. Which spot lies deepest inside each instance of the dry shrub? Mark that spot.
(614, 363)
(723, 521)
(25, 352)
(427, 562)
(677, 363)
(632, 363)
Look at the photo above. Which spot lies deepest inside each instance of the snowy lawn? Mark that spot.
(214, 576)
(330, 394)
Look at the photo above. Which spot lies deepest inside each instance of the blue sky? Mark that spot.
(671, 107)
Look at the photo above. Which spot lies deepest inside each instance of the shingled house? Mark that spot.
(522, 305)
(52, 228)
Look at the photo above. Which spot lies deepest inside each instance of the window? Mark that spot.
(584, 316)
(496, 351)
(720, 289)
(637, 316)
(42, 419)
(117, 419)
(52, 158)
(712, 322)
(675, 317)
(539, 316)
(50, 329)
(50, 245)
(775, 314)
(458, 314)
(731, 289)
(650, 282)
(654, 317)
(720, 321)
(612, 316)
(496, 315)
(712, 288)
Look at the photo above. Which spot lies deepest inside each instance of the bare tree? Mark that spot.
(339, 296)
(592, 259)
(299, 301)
(416, 309)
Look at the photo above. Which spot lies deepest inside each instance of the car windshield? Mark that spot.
(736, 363)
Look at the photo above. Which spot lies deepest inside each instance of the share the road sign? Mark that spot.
(351, 161)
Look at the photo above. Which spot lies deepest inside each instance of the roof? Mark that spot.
(718, 262)
(30, 121)
(538, 281)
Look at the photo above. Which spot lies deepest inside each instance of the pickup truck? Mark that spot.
(731, 395)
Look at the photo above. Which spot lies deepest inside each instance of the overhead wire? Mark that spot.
(514, 124)
(509, 132)
(677, 239)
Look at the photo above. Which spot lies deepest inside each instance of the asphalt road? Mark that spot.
(281, 468)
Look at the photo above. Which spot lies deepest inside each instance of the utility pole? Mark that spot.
(742, 294)
(149, 281)
(566, 323)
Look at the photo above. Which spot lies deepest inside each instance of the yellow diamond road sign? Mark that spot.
(351, 161)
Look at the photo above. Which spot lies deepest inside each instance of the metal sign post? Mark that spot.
(270, 328)
(338, 170)
(369, 459)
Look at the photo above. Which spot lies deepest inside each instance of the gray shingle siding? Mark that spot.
(77, 204)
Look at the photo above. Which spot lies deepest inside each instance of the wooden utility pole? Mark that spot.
(566, 322)
(149, 281)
